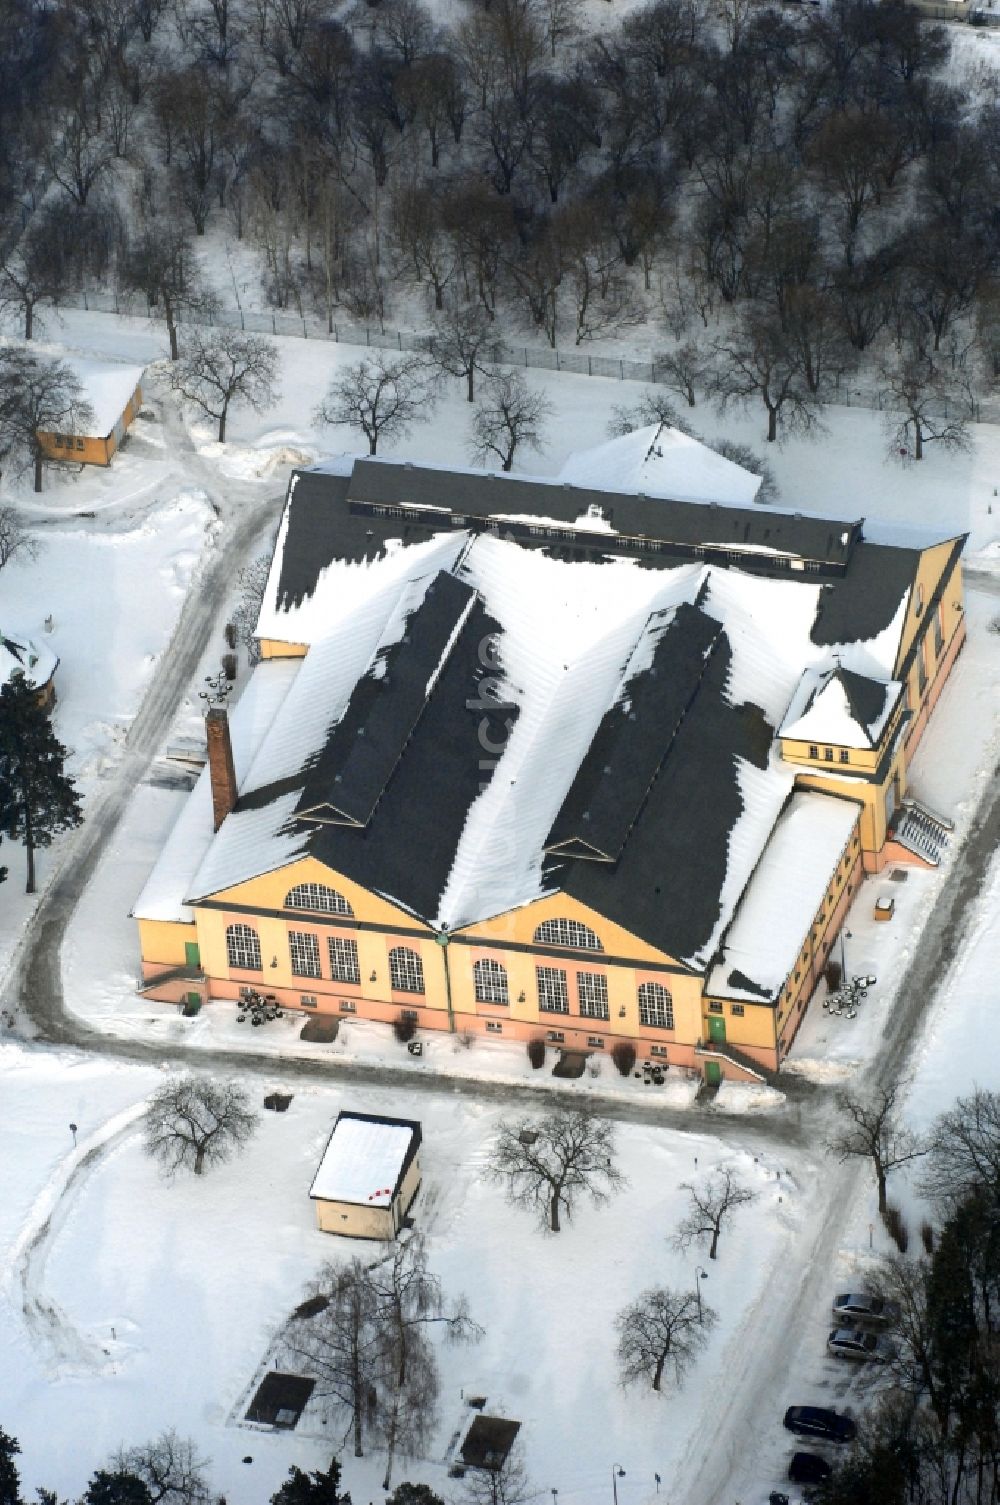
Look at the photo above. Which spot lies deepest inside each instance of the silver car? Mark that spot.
(854, 1343)
(862, 1307)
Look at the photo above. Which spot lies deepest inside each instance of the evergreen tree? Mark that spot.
(39, 799)
(116, 1488)
(317, 1488)
(413, 1494)
(10, 1479)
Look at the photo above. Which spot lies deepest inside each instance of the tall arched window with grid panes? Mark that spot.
(656, 1007)
(319, 898)
(567, 933)
(406, 970)
(490, 978)
(243, 948)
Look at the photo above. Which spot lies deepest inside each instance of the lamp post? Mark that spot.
(617, 1472)
(845, 934)
(700, 1274)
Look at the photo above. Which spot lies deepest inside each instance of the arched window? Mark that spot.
(567, 933)
(243, 948)
(656, 1007)
(406, 970)
(491, 981)
(317, 896)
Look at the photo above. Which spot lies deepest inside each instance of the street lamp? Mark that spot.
(699, 1276)
(845, 934)
(617, 1472)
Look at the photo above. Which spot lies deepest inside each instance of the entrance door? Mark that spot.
(192, 956)
(713, 1073)
(716, 1029)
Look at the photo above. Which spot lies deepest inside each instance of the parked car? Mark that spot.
(863, 1307)
(855, 1343)
(816, 1421)
(808, 1468)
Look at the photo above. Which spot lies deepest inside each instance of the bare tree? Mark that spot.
(34, 273)
(382, 395)
(768, 493)
(508, 417)
(505, 1484)
(160, 264)
(663, 1329)
(223, 366)
(654, 407)
(872, 1131)
(548, 1165)
(758, 360)
(38, 396)
(16, 539)
(193, 1121)
(252, 582)
(464, 343)
(712, 1206)
(929, 405)
(169, 1467)
(337, 1346)
(963, 1151)
(681, 370)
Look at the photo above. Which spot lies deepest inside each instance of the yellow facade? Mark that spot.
(90, 449)
(352, 1220)
(272, 648)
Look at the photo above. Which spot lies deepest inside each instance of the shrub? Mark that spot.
(893, 1220)
(468, 1038)
(623, 1055)
(404, 1028)
(927, 1237)
(230, 634)
(536, 1053)
(832, 974)
(229, 666)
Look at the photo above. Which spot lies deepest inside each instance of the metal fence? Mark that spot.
(852, 389)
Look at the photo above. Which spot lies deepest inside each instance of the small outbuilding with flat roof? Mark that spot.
(368, 1177)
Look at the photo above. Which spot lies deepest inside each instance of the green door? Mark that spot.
(192, 956)
(713, 1073)
(716, 1029)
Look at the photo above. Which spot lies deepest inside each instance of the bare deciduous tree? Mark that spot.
(382, 395)
(220, 367)
(16, 540)
(759, 361)
(712, 1206)
(507, 1484)
(549, 1164)
(682, 370)
(663, 1329)
(872, 1131)
(930, 406)
(741, 454)
(37, 396)
(654, 407)
(170, 1468)
(465, 343)
(161, 265)
(963, 1150)
(252, 582)
(194, 1121)
(508, 417)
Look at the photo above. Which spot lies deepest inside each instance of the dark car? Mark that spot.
(808, 1468)
(816, 1421)
(861, 1306)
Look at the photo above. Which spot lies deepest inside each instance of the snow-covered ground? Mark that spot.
(184, 1284)
(132, 1303)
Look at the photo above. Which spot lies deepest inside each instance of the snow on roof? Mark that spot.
(661, 461)
(167, 886)
(107, 386)
(838, 707)
(21, 655)
(363, 1161)
(782, 897)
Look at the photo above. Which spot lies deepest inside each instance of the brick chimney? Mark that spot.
(220, 763)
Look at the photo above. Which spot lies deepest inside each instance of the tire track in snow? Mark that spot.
(47, 1322)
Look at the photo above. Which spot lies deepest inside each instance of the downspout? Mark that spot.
(443, 939)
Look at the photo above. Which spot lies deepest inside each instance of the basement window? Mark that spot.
(657, 1050)
(595, 1042)
(308, 1000)
(348, 1006)
(555, 1036)
(494, 1026)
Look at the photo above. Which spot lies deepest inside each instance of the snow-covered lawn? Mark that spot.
(152, 1303)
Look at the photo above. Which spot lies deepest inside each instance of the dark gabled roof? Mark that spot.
(635, 736)
(367, 743)
(407, 848)
(862, 603)
(666, 886)
(684, 524)
(319, 529)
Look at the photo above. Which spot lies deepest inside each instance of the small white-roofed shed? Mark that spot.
(368, 1177)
